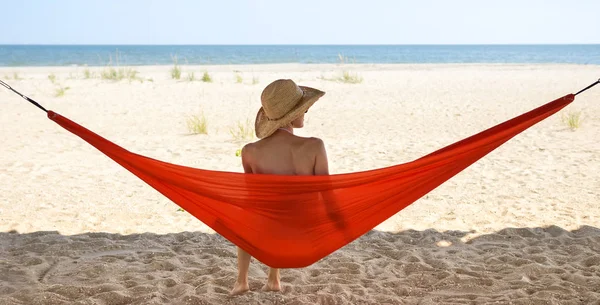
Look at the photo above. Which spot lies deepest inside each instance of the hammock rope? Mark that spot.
(23, 96)
(588, 87)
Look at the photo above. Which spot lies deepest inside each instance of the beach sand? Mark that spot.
(520, 226)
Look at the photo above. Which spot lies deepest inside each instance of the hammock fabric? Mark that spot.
(293, 221)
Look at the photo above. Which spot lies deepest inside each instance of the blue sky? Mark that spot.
(299, 22)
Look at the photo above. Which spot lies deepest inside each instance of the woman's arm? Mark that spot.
(321, 165)
(247, 158)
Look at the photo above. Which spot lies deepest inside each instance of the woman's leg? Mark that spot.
(241, 284)
(273, 283)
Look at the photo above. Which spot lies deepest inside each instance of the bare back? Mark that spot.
(285, 154)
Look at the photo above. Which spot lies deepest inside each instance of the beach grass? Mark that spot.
(191, 77)
(350, 78)
(243, 130)
(206, 77)
(52, 78)
(572, 119)
(117, 74)
(238, 78)
(345, 77)
(60, 91)
(197, 124)
(344, 59)
(176, 70)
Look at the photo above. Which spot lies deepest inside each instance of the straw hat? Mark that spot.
(282, 102)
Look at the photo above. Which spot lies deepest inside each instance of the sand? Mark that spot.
(520, 226)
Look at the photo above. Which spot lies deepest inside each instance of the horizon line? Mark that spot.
(227, 44)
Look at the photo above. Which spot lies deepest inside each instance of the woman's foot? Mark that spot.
(272, 286)
(273, 283)
(239, 288)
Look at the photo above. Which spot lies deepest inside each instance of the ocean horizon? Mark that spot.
(143, 55)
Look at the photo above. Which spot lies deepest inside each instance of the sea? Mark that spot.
(140, 55)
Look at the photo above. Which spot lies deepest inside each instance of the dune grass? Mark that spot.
(350, 78)
(344, 59)
(206, 77)
(117, 74)
(197, 124)
(243, 130)
(191, 77)
(60, 91)
(572, 120)
(345, 77)
(238, 78)
(87, 74)
(15, 76)
(176, 70)
(52, 78)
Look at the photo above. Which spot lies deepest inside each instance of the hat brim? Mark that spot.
(264, 127)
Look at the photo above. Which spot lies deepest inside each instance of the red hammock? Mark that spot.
(293, 221)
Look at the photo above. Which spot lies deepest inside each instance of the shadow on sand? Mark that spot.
(512, 266)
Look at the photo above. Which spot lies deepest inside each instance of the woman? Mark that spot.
(280, 152)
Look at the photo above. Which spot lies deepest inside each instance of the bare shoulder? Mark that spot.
(248, 157)
(314, 144)
(315, 141)
(248, 150)
(320, 165)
